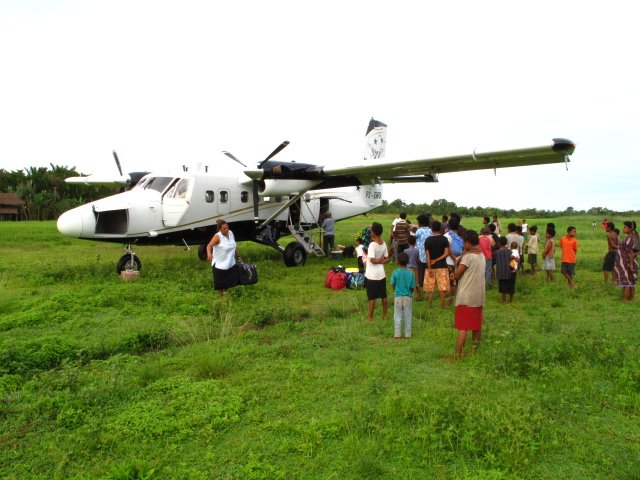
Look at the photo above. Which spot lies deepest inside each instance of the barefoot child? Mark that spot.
(612, 250)
(548, 254)
(504, 273)
(532, 248)
(470, 297)
(414, 259)
(437, 273)
(569, 246)
(376, 279)
(403, 281)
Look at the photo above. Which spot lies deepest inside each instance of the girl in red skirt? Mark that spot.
(470, 297)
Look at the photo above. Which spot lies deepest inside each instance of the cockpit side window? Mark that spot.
(180, 188)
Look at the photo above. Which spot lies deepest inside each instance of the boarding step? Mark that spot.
(302, 236)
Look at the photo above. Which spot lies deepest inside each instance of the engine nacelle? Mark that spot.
(275, 188)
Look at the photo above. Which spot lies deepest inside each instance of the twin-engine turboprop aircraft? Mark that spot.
(272, 200)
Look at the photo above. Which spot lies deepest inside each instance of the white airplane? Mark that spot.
(264, 203)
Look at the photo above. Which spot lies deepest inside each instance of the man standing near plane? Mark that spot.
(329, 235)
(401, 233)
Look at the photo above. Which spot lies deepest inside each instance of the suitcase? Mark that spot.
(248, 273)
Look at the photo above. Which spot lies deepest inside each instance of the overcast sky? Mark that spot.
(168, 83)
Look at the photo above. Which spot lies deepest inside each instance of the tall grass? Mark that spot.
(158, 378)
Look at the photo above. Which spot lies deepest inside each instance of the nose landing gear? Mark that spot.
(128, 261)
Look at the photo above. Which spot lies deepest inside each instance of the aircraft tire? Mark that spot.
(295, 255)
(202, 252)
(125, 263)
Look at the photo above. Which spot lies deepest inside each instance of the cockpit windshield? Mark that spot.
(155, 183)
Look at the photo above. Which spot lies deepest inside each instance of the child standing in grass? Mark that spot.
(403, 281)
(414, 259)
(361, 253)
(470, 296)
(569, 246)
(504, 273)
(532, 248)
(486, 245)
(375, 276)
(548, 254)
(515, 252)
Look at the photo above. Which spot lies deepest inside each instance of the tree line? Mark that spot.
(45, 193)
(444, 207)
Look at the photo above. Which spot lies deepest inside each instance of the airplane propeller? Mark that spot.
(256, 199)
(115, 155)
(232, 157)
(278, 149)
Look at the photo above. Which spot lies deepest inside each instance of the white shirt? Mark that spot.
(224, 253)
(393, 224)
(376, 272)
(450, 260)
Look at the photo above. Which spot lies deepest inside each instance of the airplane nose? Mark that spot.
(70, 224)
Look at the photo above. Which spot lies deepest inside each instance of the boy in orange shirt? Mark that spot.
(569, 246)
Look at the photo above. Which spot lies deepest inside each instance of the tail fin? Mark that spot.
(375, 140)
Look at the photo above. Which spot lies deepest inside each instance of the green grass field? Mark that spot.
(158, 378)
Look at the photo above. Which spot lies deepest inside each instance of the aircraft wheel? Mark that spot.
(295, 255)
(202, 252)
(125, 263)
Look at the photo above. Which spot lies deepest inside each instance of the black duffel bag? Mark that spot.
(248, 273)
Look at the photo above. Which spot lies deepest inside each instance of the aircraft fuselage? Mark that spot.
(166, 209)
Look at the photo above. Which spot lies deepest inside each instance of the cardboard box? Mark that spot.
(130, 274)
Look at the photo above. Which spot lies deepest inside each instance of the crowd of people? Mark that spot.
(461, 264)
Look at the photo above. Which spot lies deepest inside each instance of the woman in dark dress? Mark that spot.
(625, 269)
(222, 252)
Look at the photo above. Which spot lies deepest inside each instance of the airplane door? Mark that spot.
(223, 202)
(175, 201)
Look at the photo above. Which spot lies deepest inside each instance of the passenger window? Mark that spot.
(224, 196)
(208, 196)
(244, 197)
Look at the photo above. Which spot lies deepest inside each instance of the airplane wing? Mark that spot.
(385, 170)
(556, 151)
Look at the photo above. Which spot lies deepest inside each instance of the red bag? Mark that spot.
(339, 281)
(336, 279)
(330, 274)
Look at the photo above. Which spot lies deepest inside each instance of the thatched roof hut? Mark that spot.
(11, 205)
